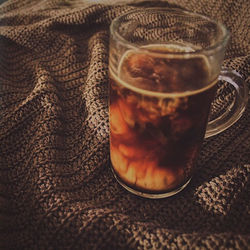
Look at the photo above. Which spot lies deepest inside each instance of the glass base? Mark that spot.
(150, 195)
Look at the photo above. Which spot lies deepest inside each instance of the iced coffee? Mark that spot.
(164, 64)
(159, 107)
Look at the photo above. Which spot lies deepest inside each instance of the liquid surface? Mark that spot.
(158, 71)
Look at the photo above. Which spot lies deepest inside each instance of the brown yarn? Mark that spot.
(56, 188)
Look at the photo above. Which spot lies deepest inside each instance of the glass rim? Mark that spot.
(220, 43)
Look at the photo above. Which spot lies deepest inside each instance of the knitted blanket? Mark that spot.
(56, 187)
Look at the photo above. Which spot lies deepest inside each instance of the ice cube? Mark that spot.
(119, 162)
(117, 122)
(140, 65)
(130, 175)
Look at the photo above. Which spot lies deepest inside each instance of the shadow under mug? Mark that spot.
(164, 67)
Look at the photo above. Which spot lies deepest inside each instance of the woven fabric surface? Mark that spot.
(56, 187)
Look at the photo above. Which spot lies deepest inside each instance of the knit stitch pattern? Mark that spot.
(56, 187)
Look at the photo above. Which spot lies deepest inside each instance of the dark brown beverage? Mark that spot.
(159, 107)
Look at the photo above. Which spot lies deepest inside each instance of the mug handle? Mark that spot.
(236, 108)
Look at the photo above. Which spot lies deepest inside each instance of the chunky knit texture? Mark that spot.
(56, 188)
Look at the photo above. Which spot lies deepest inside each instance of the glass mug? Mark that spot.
(164, 65)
